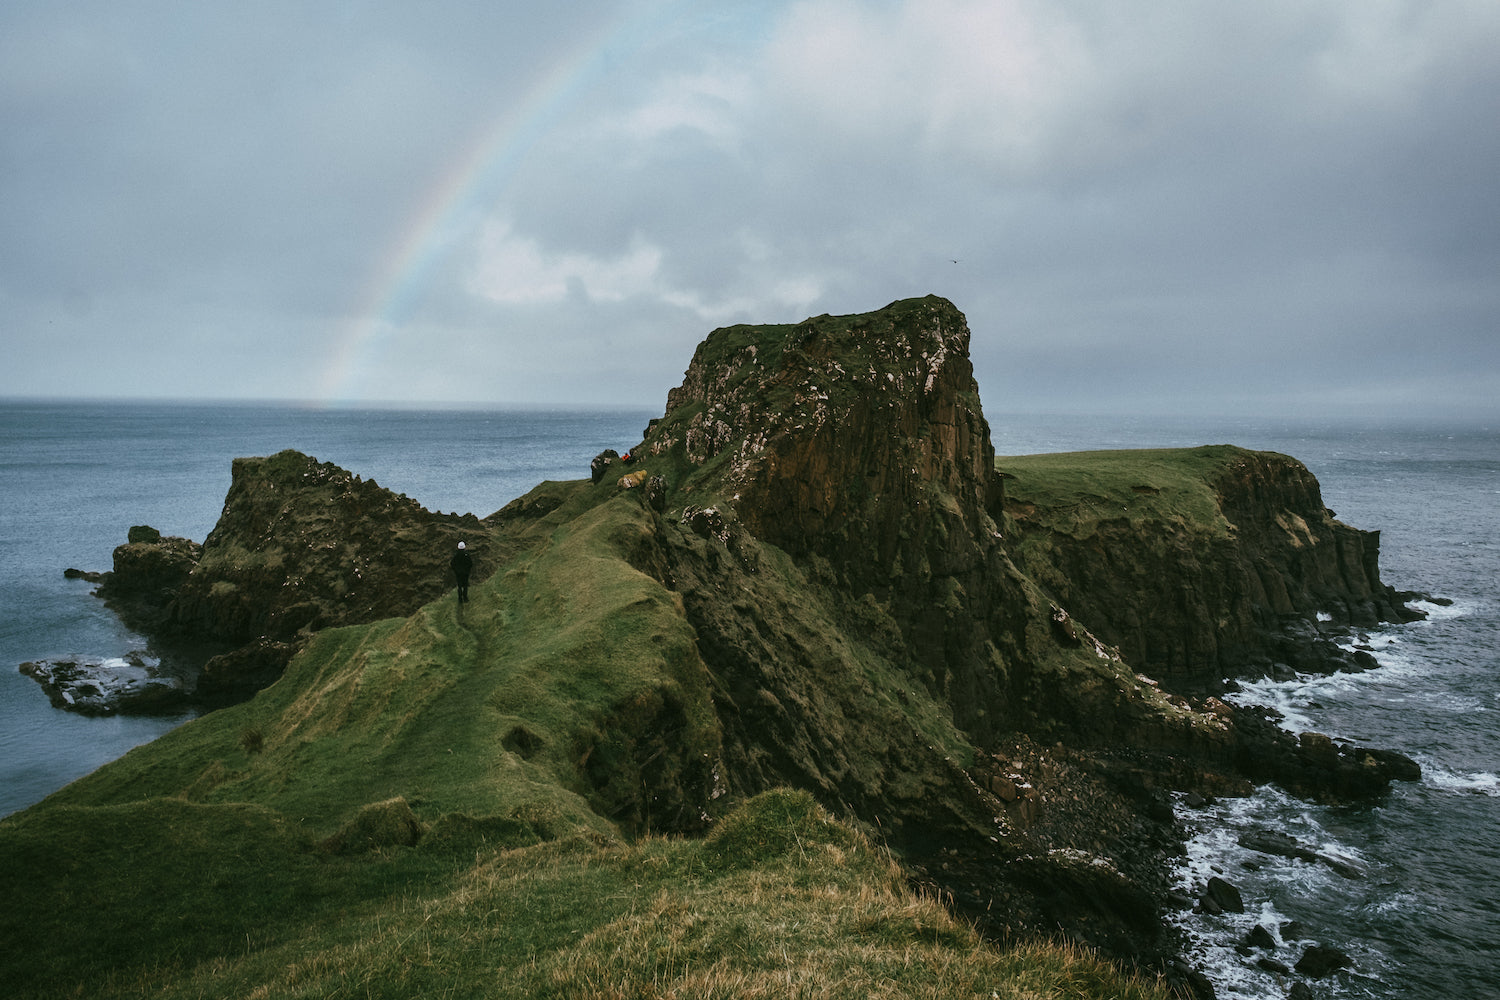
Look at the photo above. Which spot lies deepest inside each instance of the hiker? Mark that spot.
(462, 563)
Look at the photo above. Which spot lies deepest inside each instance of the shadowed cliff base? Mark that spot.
(810, 575)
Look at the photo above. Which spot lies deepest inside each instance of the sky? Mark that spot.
(1279, 207)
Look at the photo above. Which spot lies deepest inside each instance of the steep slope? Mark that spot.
(857, 446)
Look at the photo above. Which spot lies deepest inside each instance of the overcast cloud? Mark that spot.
(1257, 208)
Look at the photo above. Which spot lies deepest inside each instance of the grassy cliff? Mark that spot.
(707, 722)
(452, 804)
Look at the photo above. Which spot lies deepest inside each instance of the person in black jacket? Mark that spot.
(462, 563)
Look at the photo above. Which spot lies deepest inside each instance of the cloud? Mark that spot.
(1162, 205)
(984, 82)
(515, 270)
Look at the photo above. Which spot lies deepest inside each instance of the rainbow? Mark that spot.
(462, 196)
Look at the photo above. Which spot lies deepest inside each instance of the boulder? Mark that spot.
(1321, 960)
(1260, 937)
(1224, 895)
(1277, 843)
(601, 463)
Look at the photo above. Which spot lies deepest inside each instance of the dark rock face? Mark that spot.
(1180, 602)
(239, 673)
(1313, 765)
(303, 545)
(148, 570)
(857, 445)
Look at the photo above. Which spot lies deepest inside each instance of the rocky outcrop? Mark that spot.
(1237, 589)
(134, 684)
(237, 674)
(148, 570)
(850, 455)
(303, 545)
(857, 445)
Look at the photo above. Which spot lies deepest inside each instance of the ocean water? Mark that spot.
(1423, 922)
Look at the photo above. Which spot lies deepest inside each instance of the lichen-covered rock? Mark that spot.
(857, 445)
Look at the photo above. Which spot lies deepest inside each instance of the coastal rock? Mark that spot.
(1282, 845)
(148, 570)
(303, 545)
(1224, 895)
(1314, 766)
(822, 509)
(134, 684)
(1319, 961)
(239, 673)
(1238, 585)
(1277, 843)
(1261, 937)
(857, 446)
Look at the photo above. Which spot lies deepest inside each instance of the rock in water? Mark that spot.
(1225, 895)
(131, 685)
(148, 570)
(1320, 960)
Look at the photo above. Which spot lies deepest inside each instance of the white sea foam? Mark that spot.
(1471, 783)
(1460, 608)
(1269, 884)
(1294, 698)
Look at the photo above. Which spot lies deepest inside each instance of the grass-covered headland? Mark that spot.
(420, 807)
(806, 699)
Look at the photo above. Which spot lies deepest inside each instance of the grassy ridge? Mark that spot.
(427, 806)
(430, 708)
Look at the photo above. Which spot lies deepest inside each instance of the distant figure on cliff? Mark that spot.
(462, 563)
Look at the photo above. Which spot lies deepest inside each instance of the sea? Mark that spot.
(1422, 921)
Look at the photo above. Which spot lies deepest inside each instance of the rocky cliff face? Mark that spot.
(301, 545)
(857, 445)
(1235, 590)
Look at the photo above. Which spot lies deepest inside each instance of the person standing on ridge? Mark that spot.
(462, 563)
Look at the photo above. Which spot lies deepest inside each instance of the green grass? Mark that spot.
(556, 645)
(780, 901)
(431, 807)
(1074, 492)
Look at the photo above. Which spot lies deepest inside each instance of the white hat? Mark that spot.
(460, 544)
